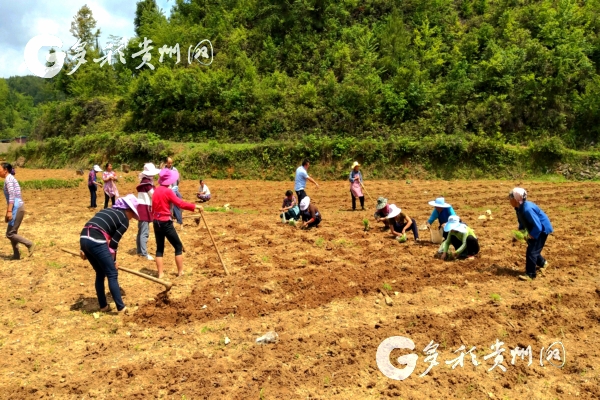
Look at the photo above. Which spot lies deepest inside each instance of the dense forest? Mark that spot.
(512, 70)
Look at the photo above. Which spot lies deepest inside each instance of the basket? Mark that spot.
(436, 236)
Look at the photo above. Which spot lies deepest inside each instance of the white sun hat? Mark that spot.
(394, 211)
(97, 168)
(150, 170)
(304, 203)
(454, 224)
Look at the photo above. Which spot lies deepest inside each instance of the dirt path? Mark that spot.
(318, 289)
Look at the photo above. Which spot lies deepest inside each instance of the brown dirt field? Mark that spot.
(318, 289)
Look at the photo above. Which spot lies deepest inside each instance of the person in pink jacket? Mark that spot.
(145, 190)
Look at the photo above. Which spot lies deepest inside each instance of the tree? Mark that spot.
(83, 25)
(143, 7)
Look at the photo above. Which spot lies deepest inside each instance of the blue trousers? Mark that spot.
(104, 265)
(176, 210)
(93, 190)
(534, 254)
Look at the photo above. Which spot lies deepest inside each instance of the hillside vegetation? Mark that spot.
(509, 72)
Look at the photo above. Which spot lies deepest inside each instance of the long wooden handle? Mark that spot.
(365, 189)
(166, 284)
(213, 241)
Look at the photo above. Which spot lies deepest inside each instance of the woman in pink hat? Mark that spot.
(99, 241)
(162, 199)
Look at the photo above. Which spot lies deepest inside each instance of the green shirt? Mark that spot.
(463, 238)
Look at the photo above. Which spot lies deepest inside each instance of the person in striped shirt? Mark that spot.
(15, 211)
(99, 241)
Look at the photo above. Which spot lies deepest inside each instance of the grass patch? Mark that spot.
(320, 242)
(41, 184)
(55, 265)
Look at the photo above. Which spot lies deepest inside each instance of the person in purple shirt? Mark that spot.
(538, 226)
(93, 185)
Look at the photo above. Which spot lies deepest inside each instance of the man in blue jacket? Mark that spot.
(538, 226)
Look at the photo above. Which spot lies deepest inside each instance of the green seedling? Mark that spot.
(387, 286)
(319, 242)
(495, 297)
(366, 224)
(292, 222)
(520, 235)
(402, 238)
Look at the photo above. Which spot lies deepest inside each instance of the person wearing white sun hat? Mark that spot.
(441, 212)
(93, 184)
(461, 237)
(401, 222)
(145, 190)
(310, 213)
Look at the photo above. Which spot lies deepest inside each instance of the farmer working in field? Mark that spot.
(175, 188)
(162, 199)
(99, 242)
(461, 237)
(15, 211)
(538, 226)
(203, 192)
(441, 212)
(110, 187)
(289, 208)
(93, 184)
(310, 213)
(382, 210)
(356, 181)
(301, 178)
(145, 191)
(400, 223)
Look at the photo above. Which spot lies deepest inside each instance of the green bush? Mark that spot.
(41, 184)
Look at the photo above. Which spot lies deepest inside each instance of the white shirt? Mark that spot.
(204, 190)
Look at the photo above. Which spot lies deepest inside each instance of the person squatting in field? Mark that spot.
(442, 211)
(289, 208)
(462, 237)
(162, 200)
(538, 226)
(99, 242)
(382, 210)
(400, 222)
(203, 192)
(310, 213)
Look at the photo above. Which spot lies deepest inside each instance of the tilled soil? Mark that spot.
(319, 289)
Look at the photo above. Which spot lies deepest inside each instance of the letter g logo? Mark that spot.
(31, 56)
(383, 358)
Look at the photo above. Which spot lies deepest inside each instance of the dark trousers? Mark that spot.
(398, 228)
(104, 265)
(176, 210)
(165, 229)
(534, 254)
(106, 197)
(300, 194)
(472, 246)
(93, 190)
(361, 198)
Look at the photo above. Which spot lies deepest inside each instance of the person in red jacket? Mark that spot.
(162, 199)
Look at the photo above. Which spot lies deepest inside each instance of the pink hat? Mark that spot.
(167, 177)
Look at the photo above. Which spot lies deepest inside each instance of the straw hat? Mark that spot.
(355, 164)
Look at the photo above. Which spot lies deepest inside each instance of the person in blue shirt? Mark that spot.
(538, 226)
(301, 178)
(441, 212)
